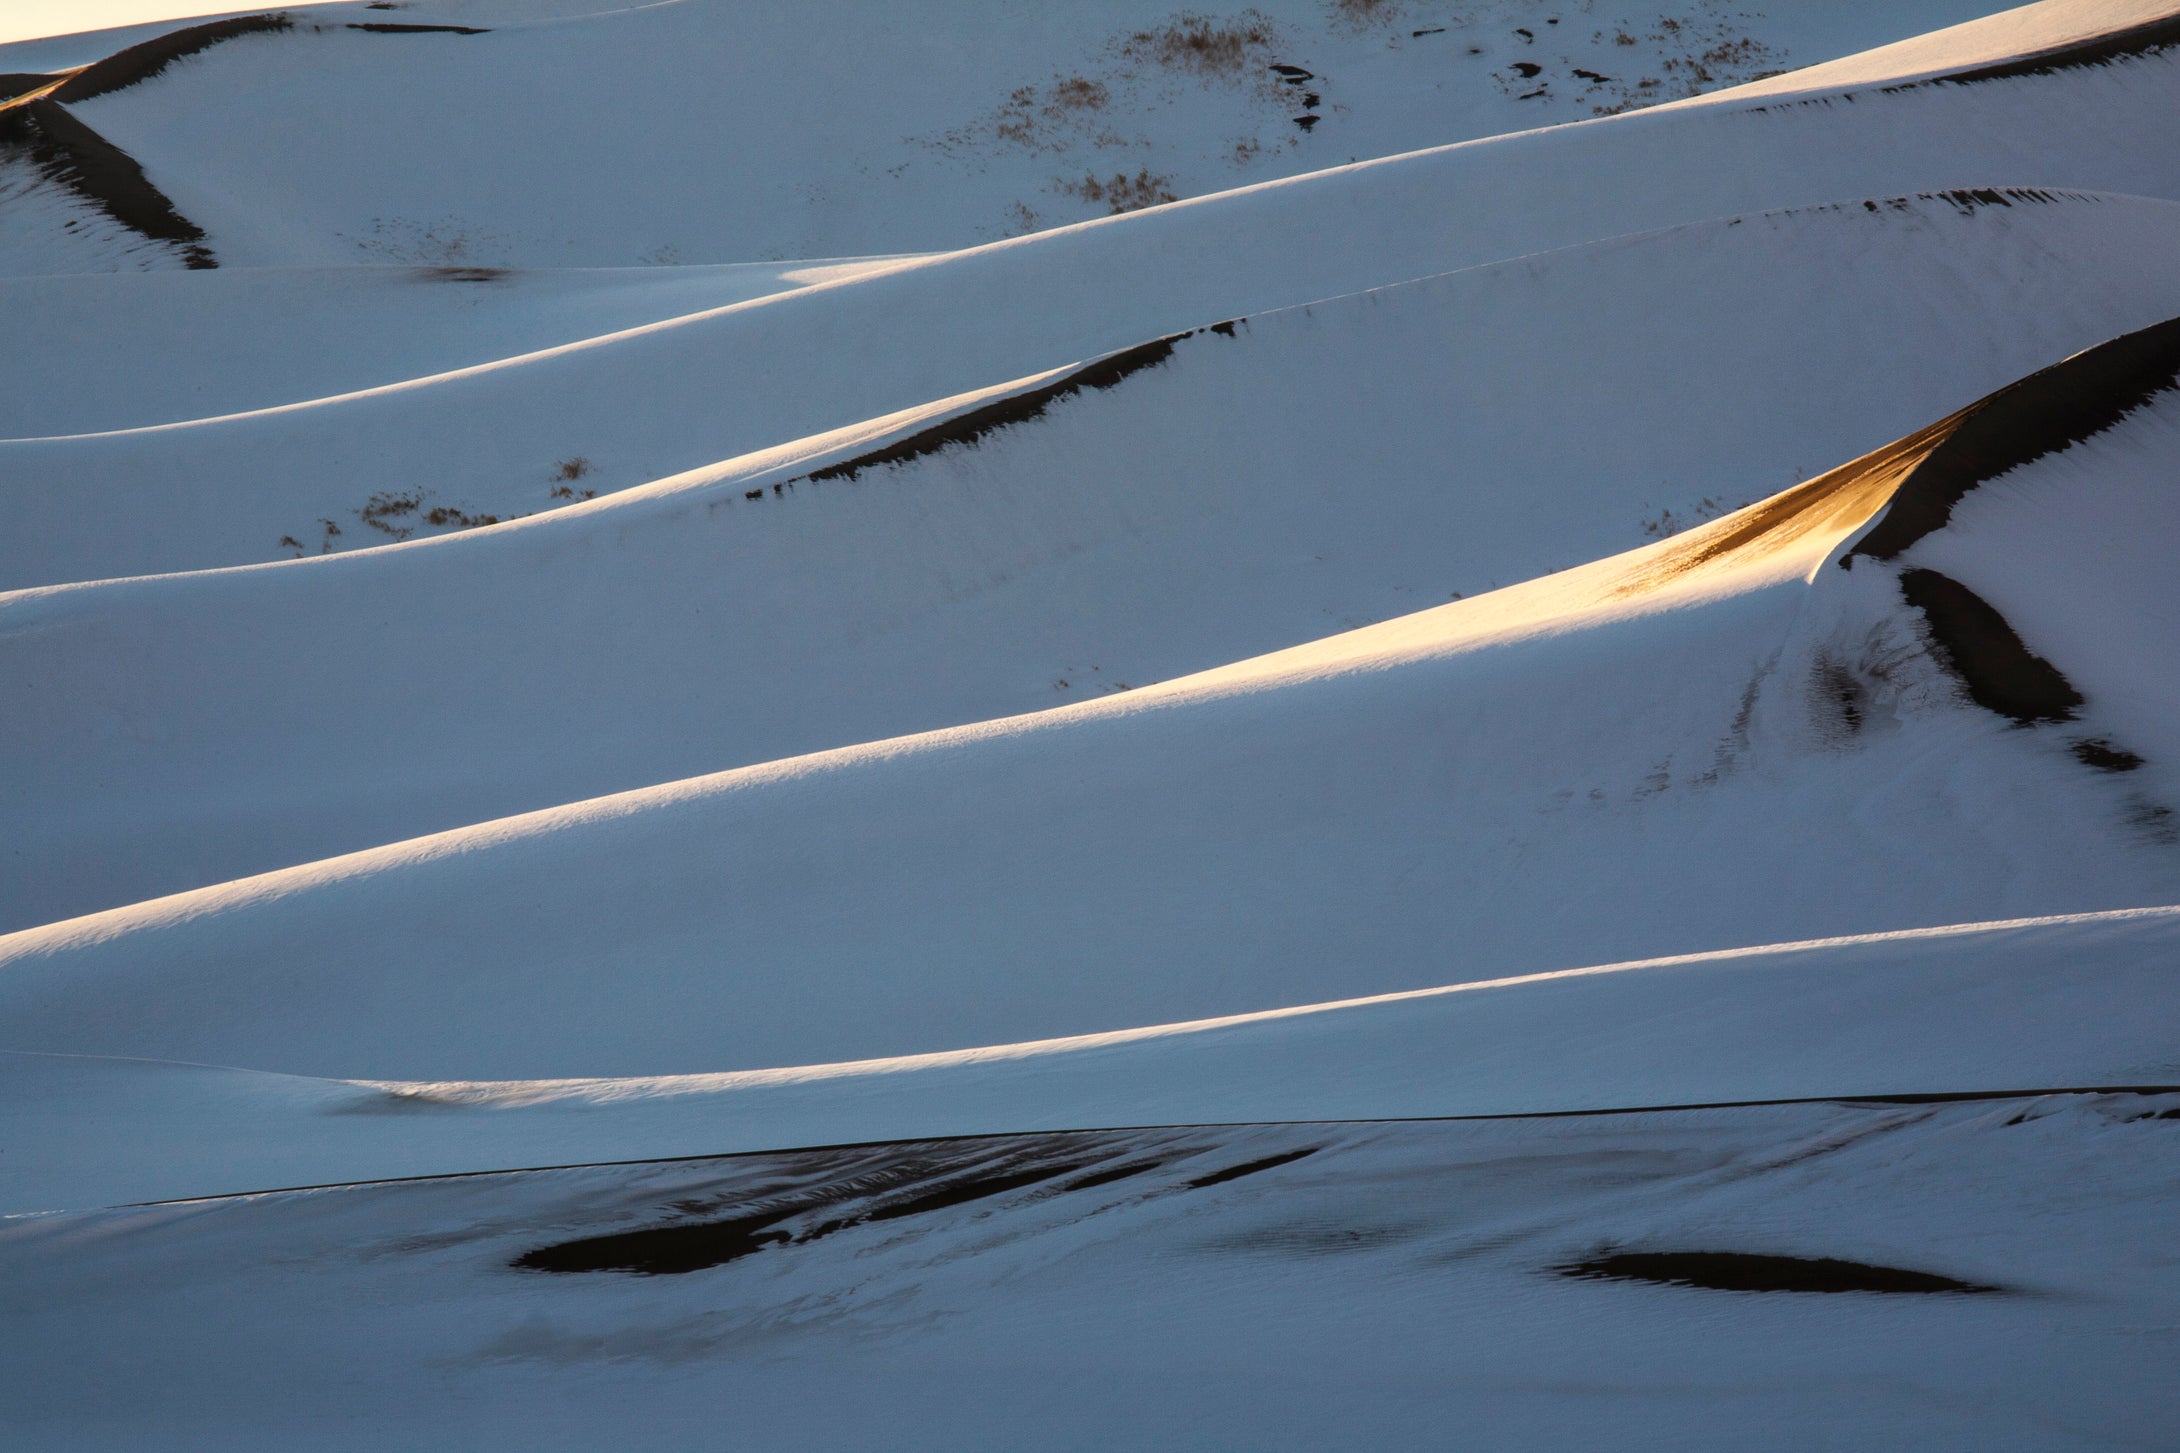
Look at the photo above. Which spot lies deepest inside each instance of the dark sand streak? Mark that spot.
(2001, 674)
(967, 429)
(72, 155)
(934, 1177)
(1742, 1271)
(1937, 1097)
(377, 27)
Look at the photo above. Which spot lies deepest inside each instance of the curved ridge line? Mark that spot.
(1905, 1097)
(938, 259)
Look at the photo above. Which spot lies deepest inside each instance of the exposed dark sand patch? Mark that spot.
(142, 61)
(1250, 1168)
(1742, 1271)
(384, 27)
(2050, 410)
(967, 429)
(1969, 199)
(880, 1184)
(2105, 757)
(661, 1250)
(19, 84)
(2001, 674)
(448, 274)
(72, 155)
(2148, 38)
(971, 1188)
(1125, 1171)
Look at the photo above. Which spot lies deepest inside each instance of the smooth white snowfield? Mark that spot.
(713, 386)
(1370, 455)
(1524, 791)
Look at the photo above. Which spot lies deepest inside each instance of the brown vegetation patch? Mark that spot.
(1205, 46)
(1121, 192)
(1364, 14)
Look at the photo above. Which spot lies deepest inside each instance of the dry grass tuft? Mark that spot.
(1122, 192)
(1204, 46)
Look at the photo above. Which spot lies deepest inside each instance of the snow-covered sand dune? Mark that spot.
(717, 385)
(1925, 1012)
(1721, 738)
(1249, 489)
(1281, 1287)
(240, 339)
(681, 734)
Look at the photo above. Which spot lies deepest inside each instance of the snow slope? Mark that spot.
(713, 386)
(1923, 1012)
(1213, 826)
(1392, 808)
(190, 346)
(1382, 1282)
(555, 136)
(197, 728)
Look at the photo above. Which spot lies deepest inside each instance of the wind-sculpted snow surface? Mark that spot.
(1113, 836)
(1926, 1012)
(1243, 489)
(715, 386)
(1382, 810)
(1306, 1286)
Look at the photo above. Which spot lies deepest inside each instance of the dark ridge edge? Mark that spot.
(2151, 37)
(2051, 410)
(685, 1246)
(140, 62)
(72, 155)
(1910, 1097)
(387, 27)
(2146, 38)
(968, 428)
(14, 84)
